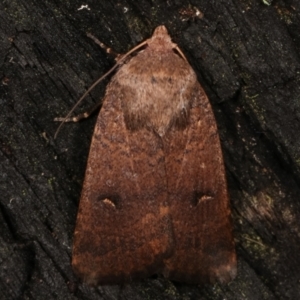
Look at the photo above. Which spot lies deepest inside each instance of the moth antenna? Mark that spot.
(97, 82)
(180, 52)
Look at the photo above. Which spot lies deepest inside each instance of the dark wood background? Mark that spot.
(246, 55)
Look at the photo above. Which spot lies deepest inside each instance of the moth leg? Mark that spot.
(81, 116)
(88, 113)
(104, 47)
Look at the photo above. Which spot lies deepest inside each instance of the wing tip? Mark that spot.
(226, 273)
(221, 273)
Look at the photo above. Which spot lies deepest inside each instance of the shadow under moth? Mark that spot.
(154, 198)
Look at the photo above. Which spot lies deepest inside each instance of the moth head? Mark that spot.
(160, 40)
(161, 31)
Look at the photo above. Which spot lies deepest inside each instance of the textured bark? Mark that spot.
(245, 55)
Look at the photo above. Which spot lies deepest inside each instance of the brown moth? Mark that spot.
(154, 198)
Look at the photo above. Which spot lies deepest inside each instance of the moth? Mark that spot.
(154, 197)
